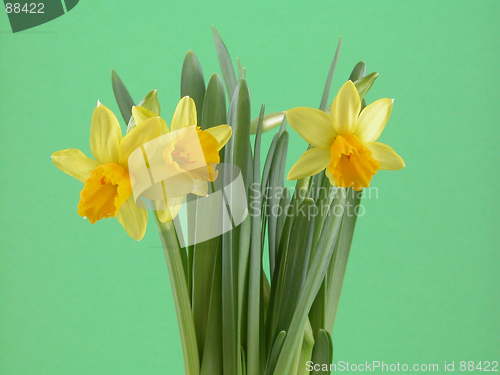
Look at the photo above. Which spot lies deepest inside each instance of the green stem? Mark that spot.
(180, 294)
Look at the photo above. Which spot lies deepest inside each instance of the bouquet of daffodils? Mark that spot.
(219, 213)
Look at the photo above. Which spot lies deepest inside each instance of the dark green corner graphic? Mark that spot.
(27, 14)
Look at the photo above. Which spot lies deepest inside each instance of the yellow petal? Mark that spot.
(310, 163)
(313, 125)
(330, 178)
(200, 188)
(140, 134)
(75, 163)
(345, 109)
(164, 127)
(105, 191)
(184, 115)
(174, 206)
(105, 135)
(386, 156)
(133, 219)
(141, 114)
(372, 120)
(222, 133)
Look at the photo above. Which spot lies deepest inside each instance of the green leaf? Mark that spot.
(278, 280)
(275, 352)
(268, 162)
(306, 350)
(229, 313)
(323, 193)
(317, 315)
(149, 102)
(280, 223)
(365, 83)
(225, 63)
(236, 151)
(214, 105)
(338, 264)
(243, 362)
(181, 297)
(212, 353)
(294, 369)
(323, 351)
(297, 262)
(243, 260)
(204, 258)
(192, 85)
(276, 176)
(328, 84)
(315, 276)
(358, 72)
(239, 120)
(229, 309)
(255, 277)
(271, 121)
(241, 70)
(193, 82)
(122, 96)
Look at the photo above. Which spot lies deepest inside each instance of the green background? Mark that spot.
(423, 277)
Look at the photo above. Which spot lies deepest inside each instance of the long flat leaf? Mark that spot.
(212, 362)
(205, 255)
(275, 186)
(254, 277)
(230, 242)
(192, 85)
(214, 104)
(306, 350)
(328, 84)
(244, 259)
(241, 70)
(122, 96)
(229, 309)
(193, 82)
(280, 223)
(275, 352)
(279, 271)
(339, 260)
(315, 276)
(225, 63)
(297, 263)
(239, 120)
(322, 352)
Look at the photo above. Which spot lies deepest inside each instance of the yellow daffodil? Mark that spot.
(344, 140)
(107, 191)
(188, 155)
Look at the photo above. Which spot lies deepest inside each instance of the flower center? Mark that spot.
(351, 162)
(107, 188)
(194, 152)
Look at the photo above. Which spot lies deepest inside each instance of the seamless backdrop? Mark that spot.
(423, 278)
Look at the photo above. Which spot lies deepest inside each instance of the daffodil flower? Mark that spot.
(107, 191)
(344, 141)
(188, 155)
